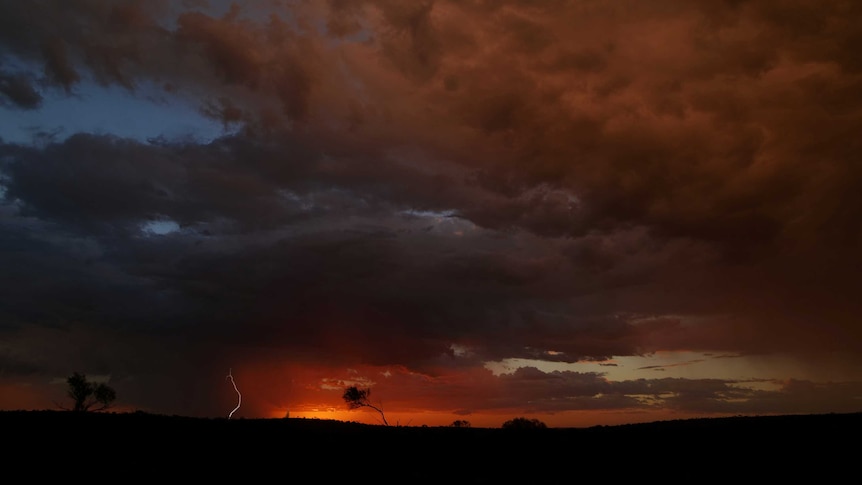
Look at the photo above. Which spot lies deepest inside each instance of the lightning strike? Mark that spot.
(239, 403)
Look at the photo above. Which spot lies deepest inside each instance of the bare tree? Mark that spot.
(358, 398)
(89, 396)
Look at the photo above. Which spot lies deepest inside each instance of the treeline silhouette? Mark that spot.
(84, 439)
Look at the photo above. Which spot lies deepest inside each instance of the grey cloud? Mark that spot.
(19, 92)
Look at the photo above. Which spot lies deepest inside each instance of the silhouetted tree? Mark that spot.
(358, 398)
(460, 423)
(89, 396)
(524, 423)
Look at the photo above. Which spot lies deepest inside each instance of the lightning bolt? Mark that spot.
(230, 376)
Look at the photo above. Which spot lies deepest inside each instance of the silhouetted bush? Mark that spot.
(357, 398)
(89, 396)
(524, 423)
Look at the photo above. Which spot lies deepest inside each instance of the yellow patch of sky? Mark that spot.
(765, 372)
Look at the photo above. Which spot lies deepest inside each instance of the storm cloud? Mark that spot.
(421, 188)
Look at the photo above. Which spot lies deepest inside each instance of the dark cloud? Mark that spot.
(435, 185)
(57, 66)
(18, 91)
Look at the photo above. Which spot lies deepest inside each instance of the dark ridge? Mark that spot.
(142, 447)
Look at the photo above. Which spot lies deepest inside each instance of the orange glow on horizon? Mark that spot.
(17, 397)
(345, 415)
(286, 390)
(568, 419)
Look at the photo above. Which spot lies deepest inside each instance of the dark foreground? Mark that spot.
(39, 446)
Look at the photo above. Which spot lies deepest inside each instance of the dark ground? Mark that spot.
(47, 446)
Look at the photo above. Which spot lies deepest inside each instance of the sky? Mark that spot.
(584, 212)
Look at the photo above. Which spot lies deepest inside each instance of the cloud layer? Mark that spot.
(419, 188)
